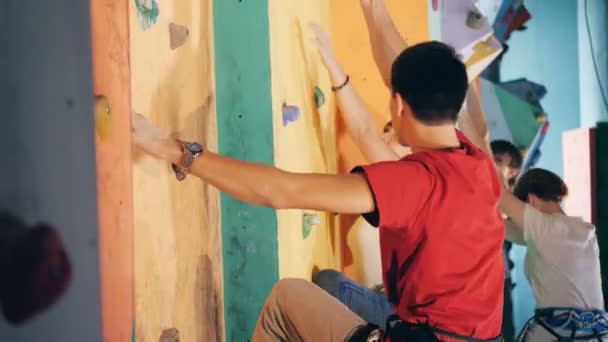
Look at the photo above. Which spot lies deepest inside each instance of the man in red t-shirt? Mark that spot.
(440, 231)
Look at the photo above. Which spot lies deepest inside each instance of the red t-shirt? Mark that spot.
(441, 238)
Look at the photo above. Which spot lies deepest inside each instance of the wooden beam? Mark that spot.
(579, 173)
(111, 78)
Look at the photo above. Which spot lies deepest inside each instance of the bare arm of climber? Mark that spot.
(514, 209)
(261, 184)
(357, 118)
(387, 43)
(514, 233)
(474, 124)
(472, 120)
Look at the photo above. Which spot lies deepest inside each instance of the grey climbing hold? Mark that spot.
(475, 19)
(178, 35)
(169, 335)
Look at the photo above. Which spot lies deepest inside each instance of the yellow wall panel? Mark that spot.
(309, 143)
(178, 260)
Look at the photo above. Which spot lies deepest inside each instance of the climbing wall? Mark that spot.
(178, 262)
(358, 241)
(468, 31)
(304, 131)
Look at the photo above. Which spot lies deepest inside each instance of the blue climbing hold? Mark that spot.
(290, 114)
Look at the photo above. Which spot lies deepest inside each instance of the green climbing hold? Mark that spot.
(319, 97)
(308, 222)
(147, 12)
(306, 230)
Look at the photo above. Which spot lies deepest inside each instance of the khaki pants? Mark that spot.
(298, 310)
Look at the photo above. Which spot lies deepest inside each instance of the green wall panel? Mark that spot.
(519, 116)
(244, 112)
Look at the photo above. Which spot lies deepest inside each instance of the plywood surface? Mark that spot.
(110, 32)
(307, 144)
(354, 52)
(178, 264)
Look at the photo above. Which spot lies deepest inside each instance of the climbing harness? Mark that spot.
(568, 324)
(397, 330)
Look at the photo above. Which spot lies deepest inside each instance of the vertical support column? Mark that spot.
(111, 78)
(244, 116)
(578, 148)
(601, 163)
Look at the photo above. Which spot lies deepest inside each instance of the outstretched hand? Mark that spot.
(325, 45)
(328, 54)
(150, 138)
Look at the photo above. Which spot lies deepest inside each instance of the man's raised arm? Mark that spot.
(386, 41)
(474, 125)
(261, 184)
(472, 120)
(356, 116)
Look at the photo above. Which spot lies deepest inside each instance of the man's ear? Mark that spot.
(400, 105)
(532, 199)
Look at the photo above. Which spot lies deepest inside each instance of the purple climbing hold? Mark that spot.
(290, 114)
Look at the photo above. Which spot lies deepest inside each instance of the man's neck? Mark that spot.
(433, 138)
(553, 208)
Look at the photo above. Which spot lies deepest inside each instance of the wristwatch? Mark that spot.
(191, 150)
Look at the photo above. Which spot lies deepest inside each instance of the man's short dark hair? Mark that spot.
(545, 184)
(432, 80)
(501, 147)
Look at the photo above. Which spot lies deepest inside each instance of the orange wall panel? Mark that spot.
(354, 52)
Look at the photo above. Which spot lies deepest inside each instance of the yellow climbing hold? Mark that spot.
(103, 117)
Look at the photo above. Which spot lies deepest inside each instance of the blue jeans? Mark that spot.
(373, 307)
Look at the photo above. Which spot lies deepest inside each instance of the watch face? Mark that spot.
(193, 147)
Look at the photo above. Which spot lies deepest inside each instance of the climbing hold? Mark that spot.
(41, 270)
(475, 19)
(147, 13)
(178, 35)
(481, 50)
(319, 97)
(308, 221)
(169, 335)
(541, 117)
(103, 117)
(290, 114)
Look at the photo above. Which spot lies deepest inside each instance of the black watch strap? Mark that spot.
(179, 173)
